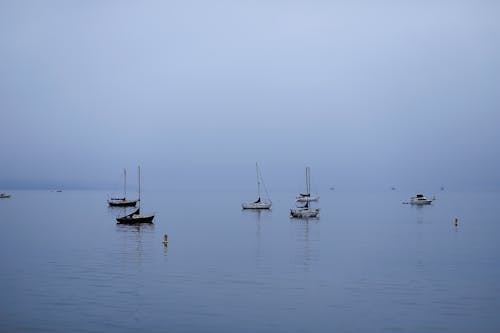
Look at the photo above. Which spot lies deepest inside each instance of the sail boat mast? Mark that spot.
(258, 179)
(139, 175)
(307, 195)
(308, 182)
(124, 183)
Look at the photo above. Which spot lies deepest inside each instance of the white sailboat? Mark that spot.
(259, 203)
(136, 216)
(305, 211)
(306, 197)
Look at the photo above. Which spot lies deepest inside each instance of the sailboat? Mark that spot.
(259, 204)
(306, 197)
(122, 202)
(136, 216)
(305, 211)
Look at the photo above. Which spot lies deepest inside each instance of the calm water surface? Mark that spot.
(369, 264)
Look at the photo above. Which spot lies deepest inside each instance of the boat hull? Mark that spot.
(256, 205)
(304, 213)
(135, 219)
(122, 203)
(421, 202)
(306, 199)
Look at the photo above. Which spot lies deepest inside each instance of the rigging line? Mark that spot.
(260, 180)
(265, 187)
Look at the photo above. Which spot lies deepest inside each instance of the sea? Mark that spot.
(369, 263)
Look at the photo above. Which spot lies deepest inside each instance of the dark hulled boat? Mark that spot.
(113, 202)
(122, 202)
(136, 217)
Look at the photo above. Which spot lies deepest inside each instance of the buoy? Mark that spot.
(456, 222)
(165, 239)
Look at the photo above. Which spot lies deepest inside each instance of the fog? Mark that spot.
(368, 94)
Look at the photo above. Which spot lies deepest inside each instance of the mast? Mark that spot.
(124, 183)
(139, 174)
(308, 182)
(258, 179)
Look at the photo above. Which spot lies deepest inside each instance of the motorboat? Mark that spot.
(420, 199)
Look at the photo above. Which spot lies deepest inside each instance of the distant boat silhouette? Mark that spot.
(136, 216)
(122, 202)
(4, 195)
(259, 204)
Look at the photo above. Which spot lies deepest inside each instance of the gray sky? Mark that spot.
(367, 93)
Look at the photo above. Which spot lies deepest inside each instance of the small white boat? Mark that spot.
(304, 212)
(259, 203)
(4, 195)
(420, 199)
(306, 197)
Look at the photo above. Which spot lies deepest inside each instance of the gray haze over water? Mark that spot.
(369, 94)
